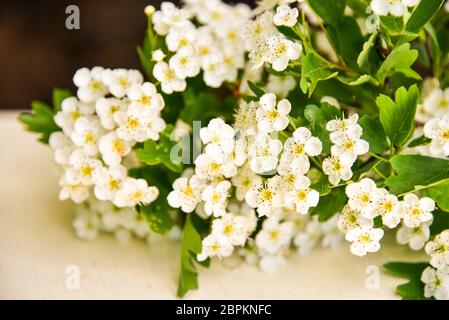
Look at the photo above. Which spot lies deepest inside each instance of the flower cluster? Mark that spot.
(347, 146)
(367, 202)
(436, 276)
(216, 47)
(396, 8)
(113, 110)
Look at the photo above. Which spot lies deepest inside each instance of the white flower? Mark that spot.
(134, 126)
(362, 197)
(417, 210)
(396, 8)
(416, 237)
(271, 116)
(185, 63)
(437, 129)
(347, 148)
(388, 207)
(232, 228)
(215, 246)
(438, 249)
(218, 137)
(436, 101)
(364, 239)
(285, 16)
(86, 134)
(308, 239)
(211, 168)
(292, 171)
(345, 126)
(109, 181)
(168, 16)
(281, 86)
(259, 29)
(167, 76)
(119, 80)
(181, 35)
(145, 96)
(106, 107)
(216, 198)
(134, 192)
(302, 197)
(336, 170)
(113, 149)
(263, 153)
(244, 180)
(274, 235)
(83, 169)
(436, 283)
(266, 197)
(303, 144)
(281, 51)
(214, 70)
(72, 110)
(62, 146)
(332, 236)
(90, 84)
(77, 192)
(186, 193)
(350, 219)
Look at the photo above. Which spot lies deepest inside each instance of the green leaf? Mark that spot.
(157, 214)
(368, 46)
(347, 39)
(314, 69)
(330, 204)
(331, 11)
(422, 13)
(322, 185)
(190, 247)
(414, 289)
(359, 80)
(255, 89)
(58, 96)
(420, 141)
(374, 135)
(415, 170)
(398, 117)
(154, 153)
(440, 194)
(399, 60)
(40, 120)
(393, 25)
(146, 63)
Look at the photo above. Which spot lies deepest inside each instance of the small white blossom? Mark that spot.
(347, 148)
(109, 181)
(168, 16)
(216, 198)
(388, 207)
(272, 116)
(303, 144)
(106, 107)
(82, 169)
(62, 146)
(364, 239)
(350, 219)
(186, 193)
(119, 80)
(345, 126)
(263, 153)
(438, 249)
(416, 237)
(285, 16)
(90, 84)
(396, 8)
(336, 170)
(113, 149)
(281, 86)
(231, 228)
(281, 51)
(185, 63)
(362, 197)
(181, 35)
(211, 168)
(167, 76)
(437, 129)
(274, 236)
(436, 283)
(243, 181)
(145, 96)
(76, 192)
(266, 197)
(306, 240)
(134, 192)
(86, 134)
(218, 137)
(215, 246)
(71, 110)
(302, 197)
(417, 210)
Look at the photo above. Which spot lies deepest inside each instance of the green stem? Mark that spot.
(378, 157)
(419, 188)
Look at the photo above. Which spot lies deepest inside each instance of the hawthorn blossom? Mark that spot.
(113, 149)
(266, 197)
(215, 246)
(417, 210)
(263, 153)
(90, 84)
(274, 236)
(350, 219)
(272, 116)
(215, 198)
(438, 249)
(302, 197)
(167, 76)
(285, 16)
(336, 170)
(109, 181)
(134, 192)
(436, 283)
(415, 237)
(364, 239)
(437, 129)
(120, 80)
(186, 193)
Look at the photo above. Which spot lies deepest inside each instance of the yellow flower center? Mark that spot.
(301, 195)
(266, 195)
(113, 184)
(228, 229)
(145, 100)
(274, 234)
(365, 238)
(216, 197)
(188, 191)
(298, 149)
(86, 171)
(133, 123)
(89, 137)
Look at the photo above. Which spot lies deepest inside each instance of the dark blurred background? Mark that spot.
(37, 52)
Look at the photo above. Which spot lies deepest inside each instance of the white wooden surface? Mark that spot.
(37, 243)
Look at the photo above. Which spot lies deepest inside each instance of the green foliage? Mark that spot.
(330, 204)
(330, 11)
(190, 247)
(423, 12)
(440, 222)
(154, 153)
(314, 69)
(40, 119)
(398, 117)
(414, 170)
(400, 60)
(420, 141)
(414, 288)
(374, 135)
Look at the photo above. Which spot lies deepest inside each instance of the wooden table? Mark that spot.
(37, 244)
